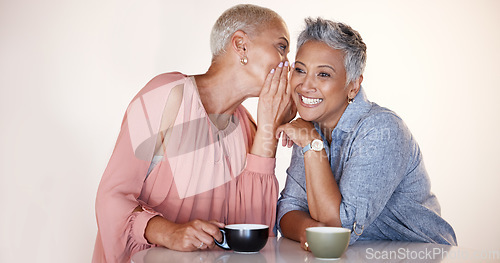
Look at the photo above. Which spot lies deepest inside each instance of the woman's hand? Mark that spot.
(294, 224)
(299, 131)
(275, 108)
(191, 236)
(275, 101)
(303, 236)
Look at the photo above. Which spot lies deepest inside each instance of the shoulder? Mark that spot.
(159, 87)
(166, 80)
(380, 117)
(154, 94)
(382, 124)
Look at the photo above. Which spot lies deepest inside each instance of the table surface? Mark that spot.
(285, 250)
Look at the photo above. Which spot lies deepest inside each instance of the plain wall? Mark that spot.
(68, 70)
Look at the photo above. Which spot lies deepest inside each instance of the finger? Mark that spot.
(283, 79)
(204, 237)
(290, 142)
(276, 79)
(267, 81)
(288, 88)
(199, 245)
(217, 223)
(279, 130)
(283, 139)
(213, 231)
(302, 245)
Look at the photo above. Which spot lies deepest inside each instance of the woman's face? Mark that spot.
(318, 81)
(266, 50)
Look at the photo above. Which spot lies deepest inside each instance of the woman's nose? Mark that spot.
(307, 85)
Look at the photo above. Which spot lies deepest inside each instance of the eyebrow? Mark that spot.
(327, 66)
(284, 38)
(320, 66)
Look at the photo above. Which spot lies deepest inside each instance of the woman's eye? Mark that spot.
(323, 74)
(282, 48)
(298, 70)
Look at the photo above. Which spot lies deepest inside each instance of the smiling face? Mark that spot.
(266, 50)
(319, 84)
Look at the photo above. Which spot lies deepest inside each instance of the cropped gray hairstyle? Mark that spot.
(338, 36)
(247, 18)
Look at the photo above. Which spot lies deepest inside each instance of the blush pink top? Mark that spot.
(205, 173)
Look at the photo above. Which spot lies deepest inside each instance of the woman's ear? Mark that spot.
(239, 42)
(355, 86)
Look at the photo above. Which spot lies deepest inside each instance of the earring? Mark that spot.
(244, 61)
(349, 100)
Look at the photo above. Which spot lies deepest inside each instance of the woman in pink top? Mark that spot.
(189, 158)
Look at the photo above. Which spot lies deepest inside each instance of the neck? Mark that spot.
(222, 89)
(328, 126)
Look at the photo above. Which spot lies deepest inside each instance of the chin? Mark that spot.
(306, 117)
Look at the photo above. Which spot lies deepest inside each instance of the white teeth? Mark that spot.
(310, 101)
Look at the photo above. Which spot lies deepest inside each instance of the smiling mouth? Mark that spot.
(309, 101)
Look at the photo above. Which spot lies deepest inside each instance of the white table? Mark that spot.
(285, 250)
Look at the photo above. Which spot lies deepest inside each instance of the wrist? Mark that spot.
(311, 136)
(315, 145)
(158, 230)
(264, 144)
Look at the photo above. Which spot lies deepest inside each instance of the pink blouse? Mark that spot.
(205, 173)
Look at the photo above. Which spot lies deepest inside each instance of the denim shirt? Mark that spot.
(381, 176)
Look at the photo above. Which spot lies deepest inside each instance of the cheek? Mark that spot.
(295, 98)
(294, 82)
(274, 58)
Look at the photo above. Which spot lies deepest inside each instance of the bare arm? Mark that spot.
(323, 195)
(294, 223)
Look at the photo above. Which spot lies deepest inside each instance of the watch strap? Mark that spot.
(306, 148)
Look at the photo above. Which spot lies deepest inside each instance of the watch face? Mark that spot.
(317, 145)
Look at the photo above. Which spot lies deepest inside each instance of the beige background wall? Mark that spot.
(68, 69)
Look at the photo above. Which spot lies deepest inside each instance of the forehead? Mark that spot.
(274, 29)
(318, 53)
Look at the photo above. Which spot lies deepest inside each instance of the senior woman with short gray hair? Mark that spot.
(354, 164)
(189, 157)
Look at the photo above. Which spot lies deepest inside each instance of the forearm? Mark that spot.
(294, 223)
(157, 230)
(323, 195)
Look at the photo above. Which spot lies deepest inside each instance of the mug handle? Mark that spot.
(222, 244)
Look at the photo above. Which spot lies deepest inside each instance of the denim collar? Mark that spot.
(352, 114)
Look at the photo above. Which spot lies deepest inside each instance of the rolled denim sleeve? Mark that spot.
(294, 196)
(376, 165)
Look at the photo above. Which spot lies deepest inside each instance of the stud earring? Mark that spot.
(349, 100)
(244, 61)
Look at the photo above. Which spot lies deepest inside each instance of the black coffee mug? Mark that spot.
(244, 238)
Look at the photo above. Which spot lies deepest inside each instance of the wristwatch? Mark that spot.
(315, 145)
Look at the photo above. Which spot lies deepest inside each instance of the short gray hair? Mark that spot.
(338, 36)
(247, 18)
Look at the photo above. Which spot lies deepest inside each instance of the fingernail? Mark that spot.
(293, 65)
(272, 71)
(280, 65)
(286, 63)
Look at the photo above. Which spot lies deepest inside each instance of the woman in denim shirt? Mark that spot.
(354, 164)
